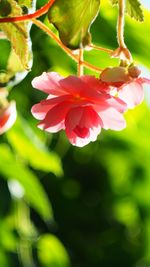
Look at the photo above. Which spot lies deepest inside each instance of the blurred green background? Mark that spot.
(62, 206)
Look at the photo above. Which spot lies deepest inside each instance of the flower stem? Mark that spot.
(54, 37)
(101, 48)
(36, 14)
(80, 62)
(66, 49)
(121, 18)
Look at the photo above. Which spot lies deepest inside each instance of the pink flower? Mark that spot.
(8, 116)
(79, 105)
(132, 92)
(127, 83)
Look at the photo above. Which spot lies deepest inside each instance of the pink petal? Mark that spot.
(39, 110)
(143, 80)
(95, 84)
(48, 83)
(8, 117)
(82, 125)
(54, 119)
(132, 94)
(117, 103)
(56, 100)
(112, 119)
(73, 85)
(107, 101)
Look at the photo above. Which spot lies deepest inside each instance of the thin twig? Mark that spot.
(66, 49)
(100, 48)
(121, 18)
(80, 63)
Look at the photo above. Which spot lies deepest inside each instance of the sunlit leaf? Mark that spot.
(73, 20)
(137, 42)
(133, 8)
(26, 3)
(27, 144)
(8, 239)
(51, 252)
(17, 33)
(11, 168)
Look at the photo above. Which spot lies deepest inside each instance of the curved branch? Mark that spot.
(36, 14)
(66, 49)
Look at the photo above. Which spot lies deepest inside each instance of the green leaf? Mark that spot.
(137, 42)
(133, 8)
(26, 3)
(73, 20)
(17, 33)
(51, 252)
(30, 148)
(4, 46)
(12, 168)
(114, 2)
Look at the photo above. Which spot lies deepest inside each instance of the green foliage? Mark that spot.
(133, 35)
(11, 168)
(51, 252)
(5, 46)
(133, 8)
(30, 148)
(17, 34)
(18, 56)
(26, 3)
(101, 203)
(73, 19)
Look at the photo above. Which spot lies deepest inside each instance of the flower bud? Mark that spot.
(114, 75)
(134, 71)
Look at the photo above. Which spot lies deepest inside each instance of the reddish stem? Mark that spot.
(36, 14)
(80, 62)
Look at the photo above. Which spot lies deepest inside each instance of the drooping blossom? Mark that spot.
(79, 105)
(127, 83)
(8, 116)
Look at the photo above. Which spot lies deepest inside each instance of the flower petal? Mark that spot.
(117, 103)
(73, 85)
(39, 111)
(48, 83)
(132, 93)
(54, 119)
(82, 125)
(143, 80)
(8, 117)
(112, 119)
